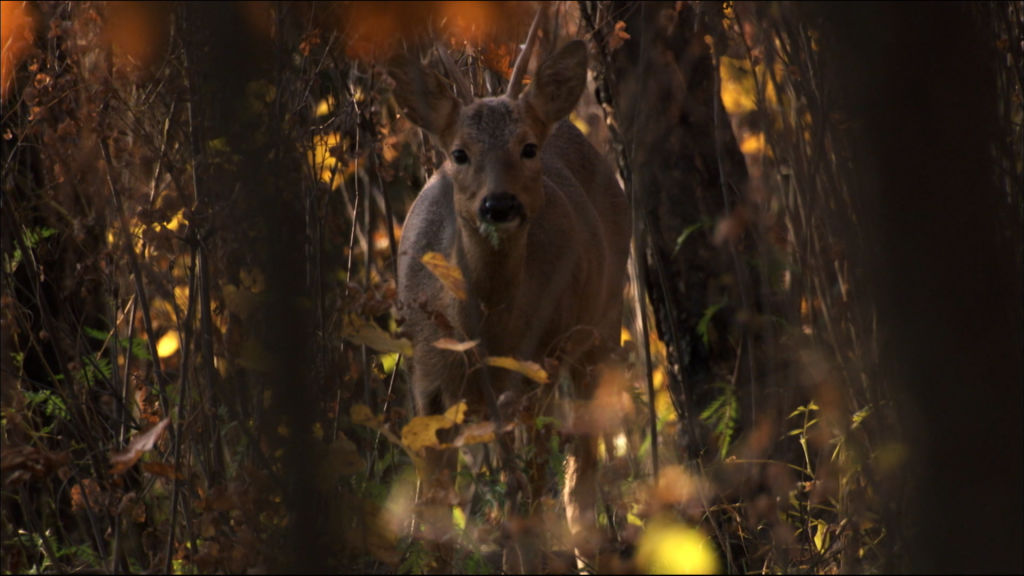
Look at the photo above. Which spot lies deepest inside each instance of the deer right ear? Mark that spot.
(425, 95)
(559, 82)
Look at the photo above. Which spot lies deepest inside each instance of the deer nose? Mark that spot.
(500, 208)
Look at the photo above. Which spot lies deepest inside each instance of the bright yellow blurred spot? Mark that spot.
(624, 336)
(663, 406)
(321, 159)
(459, 518)
(388, 362)
(579, 123)
(738, 89)
(674, 548)
(177, 221)
(752, 144)
(325, 106)
(168, 344)
(621, 443)
(659, 377)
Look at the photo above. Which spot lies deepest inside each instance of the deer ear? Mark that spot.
(426, 96)
(558, 84)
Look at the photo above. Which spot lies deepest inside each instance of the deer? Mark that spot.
(535, 220)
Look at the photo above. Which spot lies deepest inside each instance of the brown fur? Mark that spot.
(531, 284)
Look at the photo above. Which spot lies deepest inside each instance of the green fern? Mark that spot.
(722, 415)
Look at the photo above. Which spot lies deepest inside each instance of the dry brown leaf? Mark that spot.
(618, 37)
(455, 345)
(360, 331)
(531, 370)
(449, 274)
(87, 495)
(139, 445)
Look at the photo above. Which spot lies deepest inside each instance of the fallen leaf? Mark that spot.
(457, 412)
(618, 37)
(531, 370)
(449, 274)
(360, 331)
(455, 345)
(139, 445)
(421, 432)
(87, 495)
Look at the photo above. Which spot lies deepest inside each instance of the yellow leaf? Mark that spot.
(421, 432)
(531, 370)
(455, 345)
(449, 274)
(821, 529)
(168, 344)
(457, 412)
(674, 548)
(459, 518)
(360, 331)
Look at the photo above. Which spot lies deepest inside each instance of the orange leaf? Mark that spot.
(87, 495)
(454, 345)
(139, 445)
(449, 274)
(531, 370)
(618, 37)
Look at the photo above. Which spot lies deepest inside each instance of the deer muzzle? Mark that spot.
(501, 208)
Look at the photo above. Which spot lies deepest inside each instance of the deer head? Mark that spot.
(493, 145)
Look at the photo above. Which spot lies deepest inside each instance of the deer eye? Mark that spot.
(530, 150)
(459, 156)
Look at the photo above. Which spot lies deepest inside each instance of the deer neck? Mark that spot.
(494, 270)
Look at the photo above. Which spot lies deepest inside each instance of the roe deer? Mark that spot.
(536, 222)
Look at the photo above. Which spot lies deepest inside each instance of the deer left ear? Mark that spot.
(426, 96)
(559, 83)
